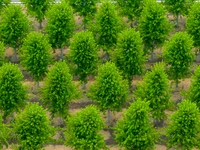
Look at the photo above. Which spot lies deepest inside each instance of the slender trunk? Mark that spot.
(40, 25)
(61, 53)
(84, 86)
(37, 85)
(131, 24)
(152, 51)
(84, 26)
(107, 56)
(108, 116)
(15, 54)
(60, 120)
(13, 117)
(177, 84)
(177, 20)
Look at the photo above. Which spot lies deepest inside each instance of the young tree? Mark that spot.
(192, 93)
(4, 3)
(61, 25)
(12, 92)
(128, 55)
(4, 134)
(155, 89)
(84, 8)
(178, 56)
(14, 26)
(134, 130)
(2, 51)
(131, 9)
(38, 8)
(178, 7)
(184, 129)
(33, 127)
(58, 90)
(109, 90)
(107, 25)
(83, 54)
(192, 25)
(83, 130)
(35, 55)
(153, 25)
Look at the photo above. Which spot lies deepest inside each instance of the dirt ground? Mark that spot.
(81, 103)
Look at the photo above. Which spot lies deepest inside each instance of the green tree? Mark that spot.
(33, 128)
(61, 25)
(84, 54)
(107, 25)
(35, 55)
(83, 130)
(12, 92)
(192, 93)
(134, 130)
(130, 8)
(38, 8)
(109, 90)
(155, 89)
(4, 3)
(4, 134)
(58, 90)
(2, 51)
(178, 7)
(128, 55)
(14, 26)
(184, 129)
(193, 23)
(84, 8)
(178, 56)
(153, 25)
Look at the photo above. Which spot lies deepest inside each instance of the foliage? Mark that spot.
(35, 54)
(61, 24)
(83, 54)
(4, 134)
(84, 8)
(37, 8)
(83, 130)
(130, 8)
(109, 90)
(155, 89)
(14, 25)
(192, 93)
(178, 55)
(128, 55)
(4, 3)
(193, 23)
(183, 131)
(33, 127)
(134, 130)
(107, 25)
(12, 92)
(2, 51)
(153, 25)
(59, 90)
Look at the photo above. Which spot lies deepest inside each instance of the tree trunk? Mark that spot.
(108, 121)
(60, 120)
(15, 54)
(176, 84)
(84, 86)
(61, 53)
(158, 123)
(40, 25)
(13, 117)
(152, 51)
(107, 56)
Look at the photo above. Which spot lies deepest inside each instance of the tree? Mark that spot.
(184, 129)
(178, 56)
(193, 23)
(107, 25)
(84, 8)
(130, 8)
(153, 25)
(38, 8)
(35, 55)
(2, 51)
(4, 134)
(12, 92)
(109, 90)
(61, 25)
(192, 93)
(83, 130)
(14, 26)
(33, 127)
(155, 89)
(83, 54)
(4, 3)
(178, 7)
(134, 130)
(58, 90)
(128, 55)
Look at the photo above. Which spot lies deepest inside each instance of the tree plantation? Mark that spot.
(100, 75)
